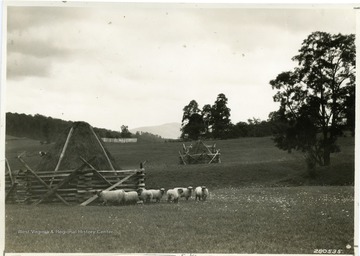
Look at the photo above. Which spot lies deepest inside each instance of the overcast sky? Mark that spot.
(139, 65)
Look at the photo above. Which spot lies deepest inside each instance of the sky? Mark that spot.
(140, 64)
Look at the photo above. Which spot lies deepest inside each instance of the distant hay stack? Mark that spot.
(75, 142)
(199, 153)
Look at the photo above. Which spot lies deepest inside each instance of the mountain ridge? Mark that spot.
(166, 131)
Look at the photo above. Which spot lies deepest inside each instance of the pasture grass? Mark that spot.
(245, 162)
(233, 220)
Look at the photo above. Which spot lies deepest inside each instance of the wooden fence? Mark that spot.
(119, 140)
(70, 187)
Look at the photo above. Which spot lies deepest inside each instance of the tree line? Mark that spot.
(45, 129)
(48, 129)
(213, 122)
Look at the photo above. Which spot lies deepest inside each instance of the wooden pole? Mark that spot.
(10, 172)
(181, 157)
(109, 188)
(103, 149)
(62, 153)
(95, 171)
(41, 181)
(217, 153)
(64, 149)
(206, 147)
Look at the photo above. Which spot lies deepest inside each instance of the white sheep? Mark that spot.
(201, 193)
(145, 195)
(130, 197)
(186, 192)
(157, 194)
(173, 195)
(114, 196)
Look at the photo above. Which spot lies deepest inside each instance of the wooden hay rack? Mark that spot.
(69, 187)
(199, 153)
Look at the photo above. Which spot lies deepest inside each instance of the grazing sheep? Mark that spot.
(173, 195)
(201, 193)
(145, 195)
(186, 192)
(131, 197)
(114, 196)
(157, 194)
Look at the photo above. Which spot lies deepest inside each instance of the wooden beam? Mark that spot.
(103, 149)
(10, 172)
(88, 201)
(182, 158)
(207, 147)
(95, 171)
(62, 153)
(63, 182)
(64, 149)
(41, 180)
(217, 153)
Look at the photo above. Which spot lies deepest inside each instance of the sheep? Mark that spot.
(173, 195)
(42, 153)
(130, 197)
(157, 194)
(145, 195)
(114, 196)
(186, 192)
(201, 193)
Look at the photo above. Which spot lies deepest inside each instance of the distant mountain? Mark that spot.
(166, 131)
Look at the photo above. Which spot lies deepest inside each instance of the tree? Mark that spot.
(125, 133)
(206, 114)
(192, 123)
(191, 108)
(313, 97)
(194, 128)
(220, 118)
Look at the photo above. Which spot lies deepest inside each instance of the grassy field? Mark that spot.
(233, 220)
(245, 162)
(261, 201)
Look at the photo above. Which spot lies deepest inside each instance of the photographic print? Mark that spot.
(175, 128)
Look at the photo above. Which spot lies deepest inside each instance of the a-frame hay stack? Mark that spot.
(199, 153)
(77, 165)
(78, 140)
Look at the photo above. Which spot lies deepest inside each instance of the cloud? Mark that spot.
(32, 46)
(20, 66)
(22, 18)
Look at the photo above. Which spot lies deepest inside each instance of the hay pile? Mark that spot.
(81, 143)
(199, 147)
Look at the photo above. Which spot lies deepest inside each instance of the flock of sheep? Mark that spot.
(143, 195)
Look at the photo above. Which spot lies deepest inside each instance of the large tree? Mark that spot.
(317, 96)
(220, 118)
(192, 125)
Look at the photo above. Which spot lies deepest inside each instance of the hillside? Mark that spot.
(43, 128)
(47, 129)
(166, 131)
